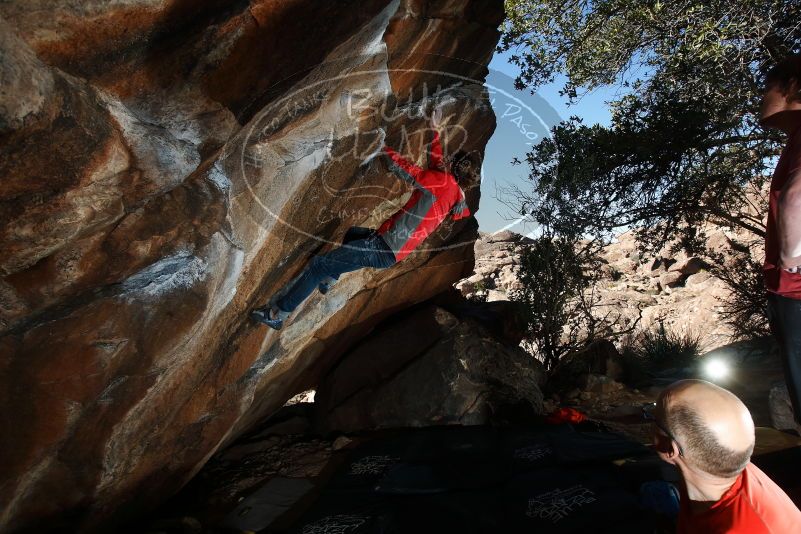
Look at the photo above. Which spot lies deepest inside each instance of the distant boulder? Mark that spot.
(429, 368)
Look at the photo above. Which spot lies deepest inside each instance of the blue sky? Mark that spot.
(523, 119)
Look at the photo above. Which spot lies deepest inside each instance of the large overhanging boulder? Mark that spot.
(166, 166)
(430, 367)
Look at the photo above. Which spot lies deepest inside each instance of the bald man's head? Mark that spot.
(712, 425)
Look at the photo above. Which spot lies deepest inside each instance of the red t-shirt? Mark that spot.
(777, 280)
(753, 505)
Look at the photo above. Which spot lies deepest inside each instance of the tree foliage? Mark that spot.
(683, 139)
(553, 279)
(683, 146)
(746, 310)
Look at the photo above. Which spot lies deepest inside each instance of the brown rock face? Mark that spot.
(168, 165)
(429, 368)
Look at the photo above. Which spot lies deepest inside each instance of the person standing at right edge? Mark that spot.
(781, 109)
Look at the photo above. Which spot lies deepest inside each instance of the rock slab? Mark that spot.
(430, 368)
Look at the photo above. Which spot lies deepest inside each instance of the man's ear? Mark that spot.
(674, 449)
(666, 448)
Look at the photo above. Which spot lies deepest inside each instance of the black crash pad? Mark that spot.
(482, 479)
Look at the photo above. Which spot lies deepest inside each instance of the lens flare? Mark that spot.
(716, 369)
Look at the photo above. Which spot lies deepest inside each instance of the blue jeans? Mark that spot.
(785, 323)
(371, 251)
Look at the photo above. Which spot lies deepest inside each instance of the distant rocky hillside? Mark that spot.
(675, 289)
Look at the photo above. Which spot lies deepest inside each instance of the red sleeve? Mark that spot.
(435, 152)
(411, 173)
(461, 214)
(403, 168)
(460, 209)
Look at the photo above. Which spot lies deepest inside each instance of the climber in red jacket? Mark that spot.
(437, 194)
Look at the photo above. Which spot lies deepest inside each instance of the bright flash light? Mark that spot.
(716, 369)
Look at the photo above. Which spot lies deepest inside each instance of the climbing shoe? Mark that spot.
(326, 284)
(263, 316)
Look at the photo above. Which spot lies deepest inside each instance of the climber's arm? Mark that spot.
(435, 152)
(460, 209)
(403, 168)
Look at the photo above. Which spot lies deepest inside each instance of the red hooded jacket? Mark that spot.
(436, 195)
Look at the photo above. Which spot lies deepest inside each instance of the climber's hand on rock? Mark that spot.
(436, 118)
